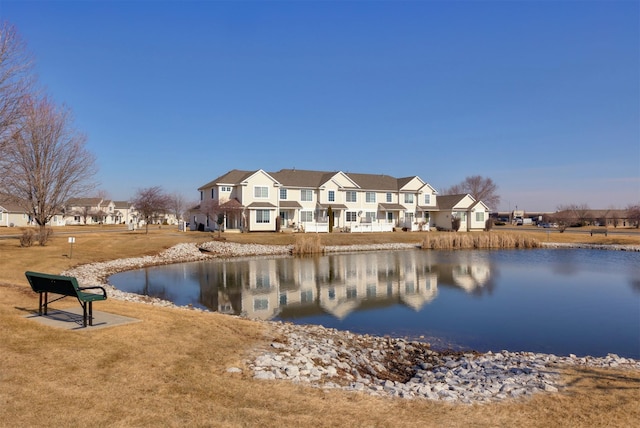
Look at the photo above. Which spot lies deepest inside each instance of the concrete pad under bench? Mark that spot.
(71, 319)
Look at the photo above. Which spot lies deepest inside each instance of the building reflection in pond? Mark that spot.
(339, 284)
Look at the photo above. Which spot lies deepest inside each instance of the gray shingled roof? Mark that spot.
(261, 205)
(447, 202)
(314, 179)
(302, 178)
(232, 177)
(122, 204)
(375, 181)
(84, 202)
(390, 207)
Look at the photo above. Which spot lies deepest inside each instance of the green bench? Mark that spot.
(604, 231)
(43, 284)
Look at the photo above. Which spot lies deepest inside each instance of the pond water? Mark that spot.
(584, 302)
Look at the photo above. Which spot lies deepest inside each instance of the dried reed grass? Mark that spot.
(307, 244)
(467, 241)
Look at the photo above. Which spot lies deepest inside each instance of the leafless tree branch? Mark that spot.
(48, 161)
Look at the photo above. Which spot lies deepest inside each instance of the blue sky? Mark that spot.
(543, 97)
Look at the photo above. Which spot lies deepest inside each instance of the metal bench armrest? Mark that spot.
(104, 292)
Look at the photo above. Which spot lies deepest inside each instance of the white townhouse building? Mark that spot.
(472, 214)
(90, 211)
(301, 200)
(100, 211)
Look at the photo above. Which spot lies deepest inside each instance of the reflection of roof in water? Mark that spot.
(465, 281)
(344, 307)
(341, 309)
(417, 300)
(448, 276)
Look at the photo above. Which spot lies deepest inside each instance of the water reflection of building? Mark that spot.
(333, 284)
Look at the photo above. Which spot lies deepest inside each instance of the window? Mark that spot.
(352, 292)
(427, 199)
(408, 198)
(410, 288)
(332, 196)
(480, 216)
(306, 195)
(352, 196)
(389, 197)
(225, 189)
(283, 194)
(283, 299)
(260, 304)
(372, 290)
(306, 296)
(370, 217)
(213, 193)
(352, 216)
(262, 216)
(370, 197)
(201, 195)
(263, 282)
(261, 192)
(306, 216)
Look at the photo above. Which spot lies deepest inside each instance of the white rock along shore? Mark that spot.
(383, 366)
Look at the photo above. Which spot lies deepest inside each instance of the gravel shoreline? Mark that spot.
(382, 366)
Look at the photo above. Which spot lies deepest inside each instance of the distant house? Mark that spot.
(471, 213)
(12, 214)
(87, 211)
(302, 200)
(588, 217)
(125, 212)
(99, 211)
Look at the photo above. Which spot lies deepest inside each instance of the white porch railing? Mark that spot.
(414, 226)
(315, 227)
(370, 227)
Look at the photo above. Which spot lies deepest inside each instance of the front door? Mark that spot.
(284, 215)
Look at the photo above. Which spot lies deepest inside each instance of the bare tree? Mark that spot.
(15, 80)
(481, 188)
(615, 219)
(85, 212)
(213, 210)
(178, 204)
(574, 214)
(633, 213)
(151, 203)
(49, 162)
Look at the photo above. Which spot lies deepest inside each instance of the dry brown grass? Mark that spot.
(457, 240)
(170, 369)
(307, 244)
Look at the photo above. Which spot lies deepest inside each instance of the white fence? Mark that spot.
(370, 227)
(315, 227)
(360, 227)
